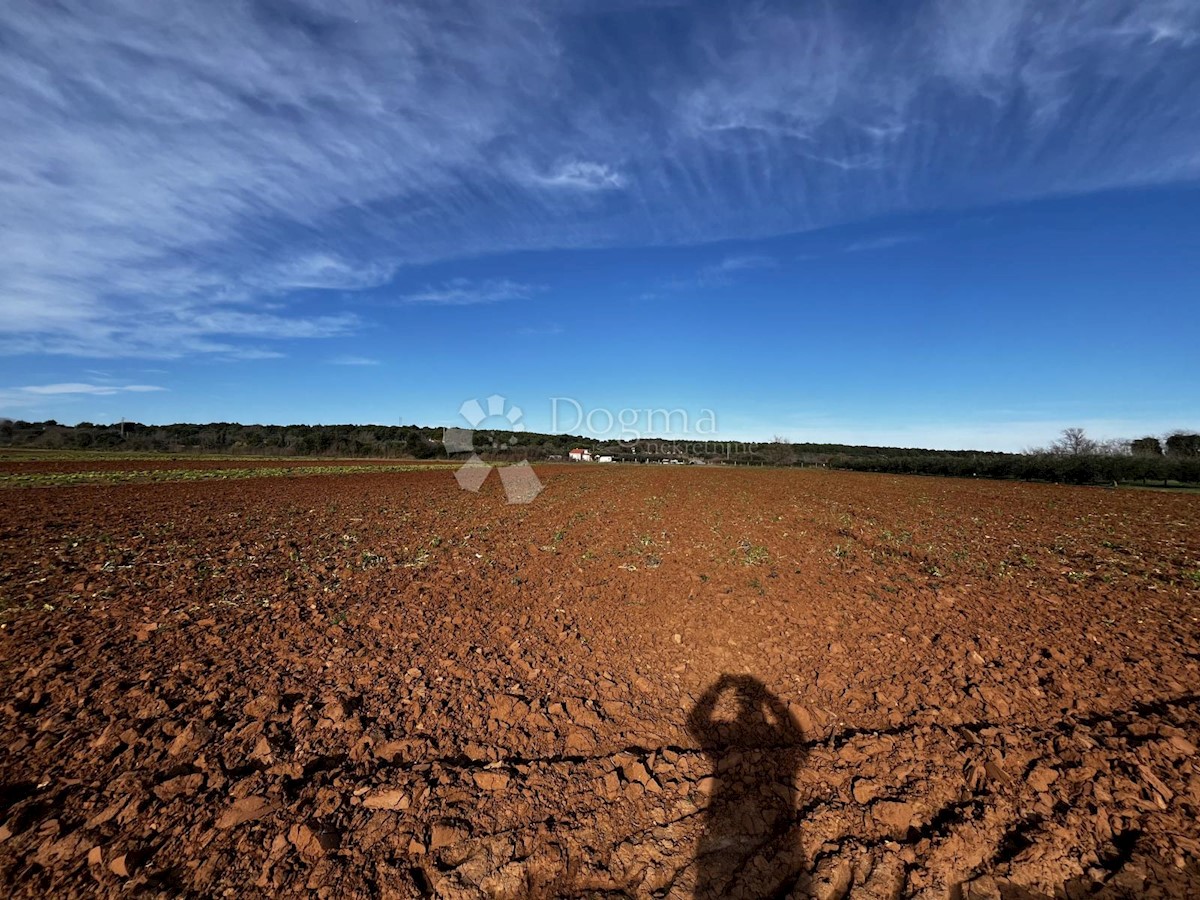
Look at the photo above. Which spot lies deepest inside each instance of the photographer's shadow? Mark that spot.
(751, 844)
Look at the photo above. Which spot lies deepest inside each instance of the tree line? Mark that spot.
(1074, 457)
(230, 438)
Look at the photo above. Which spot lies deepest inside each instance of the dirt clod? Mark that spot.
(248, 809)
(387, 799)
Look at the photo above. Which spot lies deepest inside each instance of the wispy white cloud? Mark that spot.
(724, 271)
(721, 273)
(883, 242)
(173, 174)
(172, 332)
(348, 360)
(253, 324)
(322, 271)
(162, 166)
(951, 103)
(587, 176)
(38, 395)
(465, 292)
(84, 388)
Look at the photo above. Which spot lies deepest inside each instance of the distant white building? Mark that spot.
(604, 459)
(581, 455)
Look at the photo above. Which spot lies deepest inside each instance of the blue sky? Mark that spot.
(946, 224)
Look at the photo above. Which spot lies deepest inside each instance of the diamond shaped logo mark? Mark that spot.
(472, 474)
(472, 412)
(459, 440)
(521, 484)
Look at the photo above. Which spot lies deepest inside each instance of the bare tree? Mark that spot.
(1074, 442)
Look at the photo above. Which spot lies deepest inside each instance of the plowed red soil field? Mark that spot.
(649, 682)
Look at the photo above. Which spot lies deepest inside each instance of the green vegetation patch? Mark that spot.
(63, 479)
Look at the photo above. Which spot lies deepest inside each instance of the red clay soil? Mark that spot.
(650, 682)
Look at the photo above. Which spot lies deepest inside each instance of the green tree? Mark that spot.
(1147, 446)
(1181, 444)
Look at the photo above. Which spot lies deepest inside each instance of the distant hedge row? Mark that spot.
(1081, 469)
(1147, 463)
